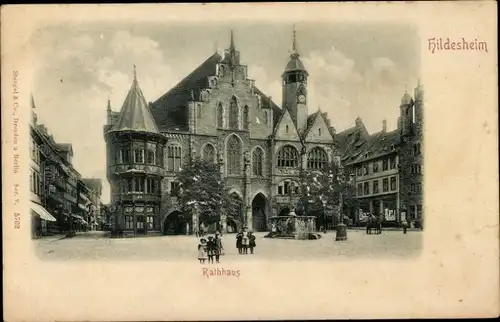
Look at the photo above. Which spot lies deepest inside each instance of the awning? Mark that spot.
(80, 219)
(42, 212)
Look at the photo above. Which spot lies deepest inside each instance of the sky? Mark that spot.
(354, 71)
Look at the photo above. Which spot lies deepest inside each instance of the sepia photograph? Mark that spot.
(287, 141)
(271, 161)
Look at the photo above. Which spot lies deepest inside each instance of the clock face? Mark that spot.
(302, 98)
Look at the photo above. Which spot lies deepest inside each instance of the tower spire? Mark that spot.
(231, 44)
(294, 42)
(135, 74)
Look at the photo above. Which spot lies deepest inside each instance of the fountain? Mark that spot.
(293, 227)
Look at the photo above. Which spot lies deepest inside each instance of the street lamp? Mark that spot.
(341, 227)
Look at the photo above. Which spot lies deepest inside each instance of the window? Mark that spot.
(412, 188)
(257, 159)
(393, 183)
(416, 169)
(34, 151)
(366, 188)
(365, 169)
(125, 156)
(151, 222)
(375, 186)
(173, 158)
(288, 157)
(130, 185)
(138, 184)
(266, 113)
(159, 154)
(286, 128)
(150, 185)
(360, 189)
(416, 149)
(245, 117)
(359, 171)
(233, 156)
(129, 222)
(317, 159)
(209, 153)
(419, 211)
(200, 111)
(385, 165)
(140, 221)
(319, 132)
(150, 157)
(375, 167)
(139, 156)
(233, 113)
(393, 162)
(385, 185)
(220, 116)
(287, 187)
(419, 187)
(174, 188)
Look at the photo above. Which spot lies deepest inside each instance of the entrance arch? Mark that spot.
(176, 223)
(259, 205)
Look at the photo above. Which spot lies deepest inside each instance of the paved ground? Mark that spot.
(95, 246)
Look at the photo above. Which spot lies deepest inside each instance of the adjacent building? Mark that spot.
(60, 200)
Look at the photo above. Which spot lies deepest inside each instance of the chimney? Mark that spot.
(384, 126)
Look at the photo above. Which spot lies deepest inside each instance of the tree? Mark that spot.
(201, 186)
(322, 189)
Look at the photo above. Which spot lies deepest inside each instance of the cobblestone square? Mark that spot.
(389, 244)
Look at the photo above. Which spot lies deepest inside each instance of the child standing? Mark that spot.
(211, 249)
(202, 250)
(252, 242)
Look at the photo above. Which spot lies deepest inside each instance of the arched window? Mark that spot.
(317, 159)
(245, 117)
(233, 156)
(287, 187)
(209, 153)
(257, 161)
(173, 158)
(200, 111)
(233, 113)
(286, 129)
(220, 116)
(288, 157)
(319, 132)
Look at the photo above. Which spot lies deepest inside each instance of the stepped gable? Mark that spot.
(135, 114)
(170, 110)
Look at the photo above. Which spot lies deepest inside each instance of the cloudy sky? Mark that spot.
(355, 70)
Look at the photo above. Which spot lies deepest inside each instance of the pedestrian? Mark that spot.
(405, 226)
(202, 250)
(251, 242)
(245, 240)
(211, 249)
(217, 247)
(239, 237)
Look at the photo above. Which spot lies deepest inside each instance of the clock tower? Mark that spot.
(295, 88)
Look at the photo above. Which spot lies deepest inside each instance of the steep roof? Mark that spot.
(135, 114)
(64, 147)
(170, 110)
(378, 144)
(295, 64)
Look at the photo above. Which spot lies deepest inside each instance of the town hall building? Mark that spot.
(216, 113)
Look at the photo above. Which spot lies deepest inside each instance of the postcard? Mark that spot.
(250, 161)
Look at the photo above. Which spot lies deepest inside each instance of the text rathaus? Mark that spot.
(217, 113)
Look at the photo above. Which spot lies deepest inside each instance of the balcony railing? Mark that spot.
(140, 196)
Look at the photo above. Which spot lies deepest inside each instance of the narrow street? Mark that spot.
(96, 246)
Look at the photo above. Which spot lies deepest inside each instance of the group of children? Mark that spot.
(207, 250)
(244, 240)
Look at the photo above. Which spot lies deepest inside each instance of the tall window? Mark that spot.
(288, 157)
(150, 157)
(209, 153)
(139, 184)
(375, 186)
(267, 117)
(151, 223)
(125, 156)
(129, 222)
(220, 116)
(393, 162)
(173, 158)
(174, 188)
(151, 185)
(375, 167)
(385, 165)
(385, 185)
(393, 183)
(139, 156)
(233, 156)
(257, 159)
(360, 189)
(233, 113)
(286, 187)
(317, 159)
(159, 154)
(366, 189)
(245, 117)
